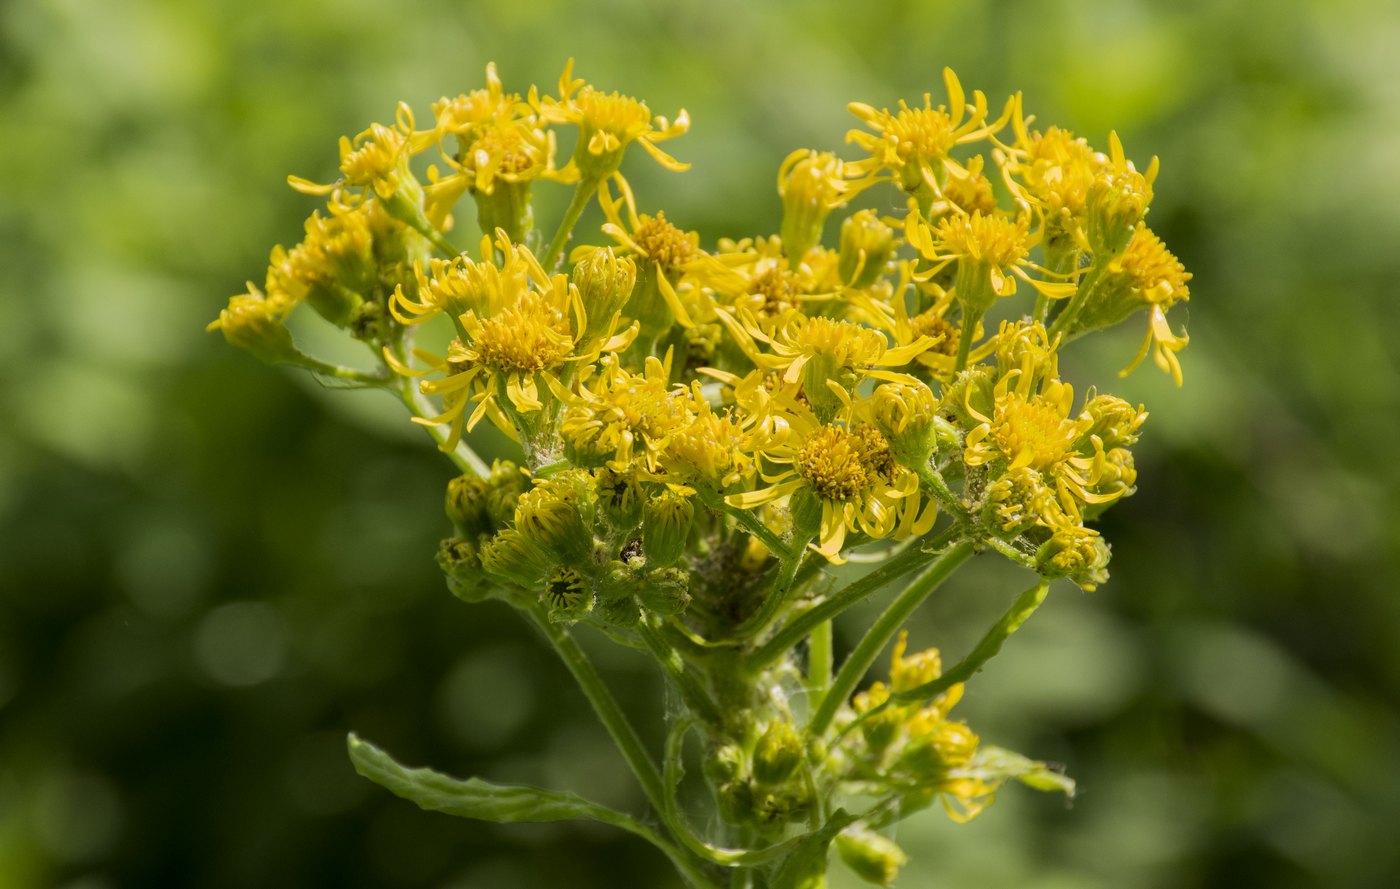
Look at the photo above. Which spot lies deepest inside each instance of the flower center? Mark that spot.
(525, 338)
(1030, 433)
(831, 463)
(662, 242)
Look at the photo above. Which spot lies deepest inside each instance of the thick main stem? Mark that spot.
(606, 706)
(884, 629)
(583, 193)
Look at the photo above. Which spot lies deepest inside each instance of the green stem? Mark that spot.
(883, 630)
(799, 627)
(986, 649)
(777, 598)
(1081, 296)
(606, 706)
(748, 520)
(819, 663)
(686, 680)
(968, 331)
(462, 456)
(340, 372)
(933, 480)
(583, 193)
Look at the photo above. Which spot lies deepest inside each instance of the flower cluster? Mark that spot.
(704, 430)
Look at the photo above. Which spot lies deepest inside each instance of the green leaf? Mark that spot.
(473, 798)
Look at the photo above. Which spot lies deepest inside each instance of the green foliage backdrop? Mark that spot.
(210, 570)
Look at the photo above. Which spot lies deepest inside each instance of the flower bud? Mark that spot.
(870, 856)
(568, 595)
(512, 558)
(811, 184)
(620, 498)
(557, 516)
(866, 246)
(666, 522)
(604, 285)
(466, 506)
(1115, 421)
(665, 592)
(507, 483)
(905, 414)
(1077, 553)
(724, 763)
(254, 323)
(621, 612)
(778, 754)
(460, 560)
(736, 802)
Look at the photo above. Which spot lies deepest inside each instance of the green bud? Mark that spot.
(557, 516)
(736, 802)
(778, 754)
(866, 246)
(811, 184)
(466, 506)
(665, 592)
(905, 414)
(870, 856)
(256, 324)
(460, 560)
(512, 558)
(621, 612)
(1077, 553)
(619, 497)
(506, 207)
(666, 522)
(507, 483)
(724, 763)
(568, 595)
(604, 285)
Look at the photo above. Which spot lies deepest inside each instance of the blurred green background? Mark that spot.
(211, 570)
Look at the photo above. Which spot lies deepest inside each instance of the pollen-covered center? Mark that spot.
(779, 289)
(622, 116)
(528, 337)
(1152, 268)
(922, 132)
(1030, 433)
(650, 408)
(507, 147)
(943, 332)
(844, 343)
(832, 465)
(373, 159)
(875, 454)
(662, 242)
(994, 240)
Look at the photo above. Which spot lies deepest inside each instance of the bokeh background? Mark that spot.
(211, 570)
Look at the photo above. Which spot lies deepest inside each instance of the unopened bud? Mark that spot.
(604, 285)
(870, 856)
(778, 754)
(254, 323)
(510, 557)
(811, 184)
(866, 246)
(460, 560)
(665, 592)
(905, 414)
(666, 522)
(557, 516)
(1077, 553)
(568, 595)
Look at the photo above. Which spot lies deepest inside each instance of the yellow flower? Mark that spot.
(663, 253)
(829, 357)
(1054, 172)
(1145, 276)
(752, 276)
(628, 418)
(1117, 201)
(607, 124)
(990, 252)
(811, 184)
(854, 479)
(515, 323)
(375, 160)
(914, 143)
(713, 450)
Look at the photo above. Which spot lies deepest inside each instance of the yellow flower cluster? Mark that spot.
(704, 427)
